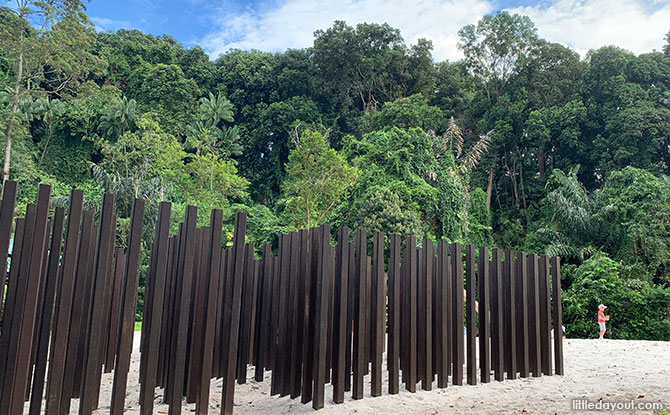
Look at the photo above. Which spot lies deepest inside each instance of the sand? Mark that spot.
(608, 370)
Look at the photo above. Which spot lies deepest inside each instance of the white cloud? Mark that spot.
(103, 24)
(292, 24)
(636, 25)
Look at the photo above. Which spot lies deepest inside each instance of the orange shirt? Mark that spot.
(601, 316)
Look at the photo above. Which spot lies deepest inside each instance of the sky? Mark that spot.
(276, 25)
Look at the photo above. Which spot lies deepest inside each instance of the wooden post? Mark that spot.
(427, 323)
(128, 307)
(484, 322)
(557, 314)
(393, 354)
(458, 339)
(340, 313)
(26, 318)
(471, 312)
(360, 328)
(92, 363)
(497, 322)
(523, 346)
(379, 312)
(47, 311)
(63, 307)
(443, 314)
(510, 314)
(545, 315)
(321, 317)
(411, 319)
(309, 345)
(534, 315)
(234, 299)
(6, 220)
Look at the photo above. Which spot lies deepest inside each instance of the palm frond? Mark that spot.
(473, 156)
(453, 137)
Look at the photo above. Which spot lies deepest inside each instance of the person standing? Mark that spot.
(602, 318)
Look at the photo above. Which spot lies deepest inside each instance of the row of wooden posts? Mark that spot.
(312, 314)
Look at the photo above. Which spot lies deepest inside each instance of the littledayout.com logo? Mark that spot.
(612, 406)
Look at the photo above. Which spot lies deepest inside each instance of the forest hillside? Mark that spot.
(523, 144)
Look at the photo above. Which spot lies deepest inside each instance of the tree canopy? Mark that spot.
(522, 144)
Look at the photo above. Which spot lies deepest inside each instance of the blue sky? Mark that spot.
(275, 25)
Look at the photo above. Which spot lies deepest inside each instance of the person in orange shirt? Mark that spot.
(602, 318)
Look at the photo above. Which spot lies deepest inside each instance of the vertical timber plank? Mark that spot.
(484, 322)
(27, 322)
(458, 321)
(427, 299)
(6, 220)
(92, 367)
(497, 322)
(212, 279)
(545, 315)
(443, 310)
(534, 315)
(471, 327)
(235, 299)
(359, 339)
(557, 314)
(48, 309)
(321, 317)
(128, 307)
(63, 305)
(523, 346)
(393, 354)
(510, 315)
(411, 321)
(150, 355)
(340, 313)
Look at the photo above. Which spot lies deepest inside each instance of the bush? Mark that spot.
(638, 309)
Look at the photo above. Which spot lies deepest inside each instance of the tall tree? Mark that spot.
(48, 43)
(496, 46)
(318, 177)
(495, 50)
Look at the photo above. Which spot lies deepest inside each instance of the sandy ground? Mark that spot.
(608, 370)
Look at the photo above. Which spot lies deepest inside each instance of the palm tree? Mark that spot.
(216, 108)
(119, 117)
(574, 216)
(205, 133)
(452, 141)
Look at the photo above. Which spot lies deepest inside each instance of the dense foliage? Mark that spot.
(521, 145)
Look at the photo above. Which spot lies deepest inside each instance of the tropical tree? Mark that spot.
(208, 129)
(495, 48)
(48, 46)
(141, 160)
(383, 211)
(636, 209)
(118, 117)
(317, 178)
(574, 226)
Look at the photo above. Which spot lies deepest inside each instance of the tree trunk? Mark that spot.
(540, 161)
(512, 175)
(523, 192)
(46, 145)
(489, 190)
(12, 117)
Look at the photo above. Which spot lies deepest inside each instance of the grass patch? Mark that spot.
(138, 326)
